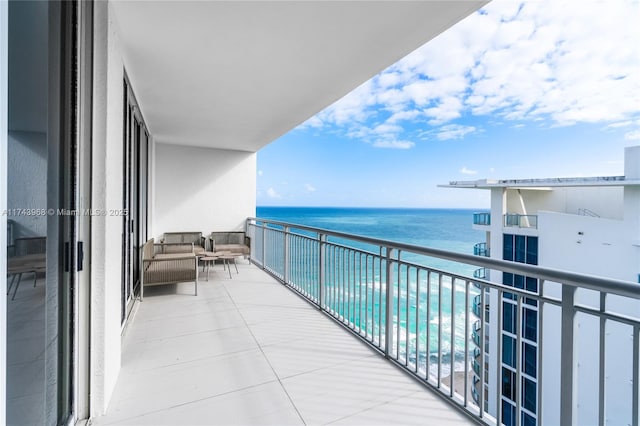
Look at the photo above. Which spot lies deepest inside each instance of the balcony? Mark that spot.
(333, 354)
(521, 220)
(481, 273)
(483, 219)
(477, 308)
(247, 350)
(481, 249)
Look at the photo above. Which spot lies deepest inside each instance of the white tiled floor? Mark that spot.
(248, 351)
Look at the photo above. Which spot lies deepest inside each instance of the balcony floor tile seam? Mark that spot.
(177, 336)
(268, 361)
(182, 315)
(181, 364)
(377, 404)
(194, 401)
(325, 367)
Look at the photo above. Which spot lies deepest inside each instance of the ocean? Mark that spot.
(447, 229)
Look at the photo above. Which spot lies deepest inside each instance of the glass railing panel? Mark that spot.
(482, 219)
(520, 220)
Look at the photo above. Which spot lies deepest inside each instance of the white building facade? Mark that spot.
(585, 225)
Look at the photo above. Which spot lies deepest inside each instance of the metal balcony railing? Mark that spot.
(521, 220)
(482, 219)
(420, 318)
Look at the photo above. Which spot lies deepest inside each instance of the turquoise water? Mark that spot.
(447, 229)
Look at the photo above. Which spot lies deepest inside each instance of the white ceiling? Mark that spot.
(237, 75)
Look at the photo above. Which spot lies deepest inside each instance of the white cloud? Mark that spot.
(394, 144)
(632, 136)
(619, 124)
(453, 131)
(310, 187)
(466, 171)
(259, 172)
(271, 193)
(560, 62)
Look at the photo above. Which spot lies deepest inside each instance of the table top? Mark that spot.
(221, 254)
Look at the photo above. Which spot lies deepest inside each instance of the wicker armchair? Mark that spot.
(168, 263)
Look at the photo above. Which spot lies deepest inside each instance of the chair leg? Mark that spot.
(17, 285)
(10, 283)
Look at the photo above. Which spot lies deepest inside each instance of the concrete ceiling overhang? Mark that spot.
(239, 74)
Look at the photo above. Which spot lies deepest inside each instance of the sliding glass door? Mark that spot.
(134, 202)
(48, 188)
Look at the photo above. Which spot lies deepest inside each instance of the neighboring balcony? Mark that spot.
(521, 220)
(481, 249)
(482, 219)
(481, 273)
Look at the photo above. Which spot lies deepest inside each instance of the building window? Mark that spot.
(532, 250)
(531, 285)
(518, 281)
(530, 325)
(507, 247)
(520, 249)
(529, 394)
(508, 414)
(509, 317)
(527, 420)
(509, 350)
(529, 359)
(509, 383)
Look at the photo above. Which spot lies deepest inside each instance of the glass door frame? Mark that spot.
(69, 176)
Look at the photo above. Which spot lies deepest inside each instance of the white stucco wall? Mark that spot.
(589, 245)
(202, 189)
(605, 201)
(106, 255)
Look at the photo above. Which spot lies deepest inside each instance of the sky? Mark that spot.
(529, 89)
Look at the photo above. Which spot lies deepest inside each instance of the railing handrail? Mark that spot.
(591, 282)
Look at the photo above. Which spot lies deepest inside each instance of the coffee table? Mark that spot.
(226, 257)
(207, 258)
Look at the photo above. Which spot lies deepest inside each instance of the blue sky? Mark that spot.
(517, 90)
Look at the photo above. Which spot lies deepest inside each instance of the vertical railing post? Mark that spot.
(567, 357)
(264, 245)
(388, 338)
(601, 361)
(322, 238)
(286, 255)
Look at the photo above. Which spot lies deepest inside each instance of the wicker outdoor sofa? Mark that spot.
(234, 241)
(186, 238)
(168, 263)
